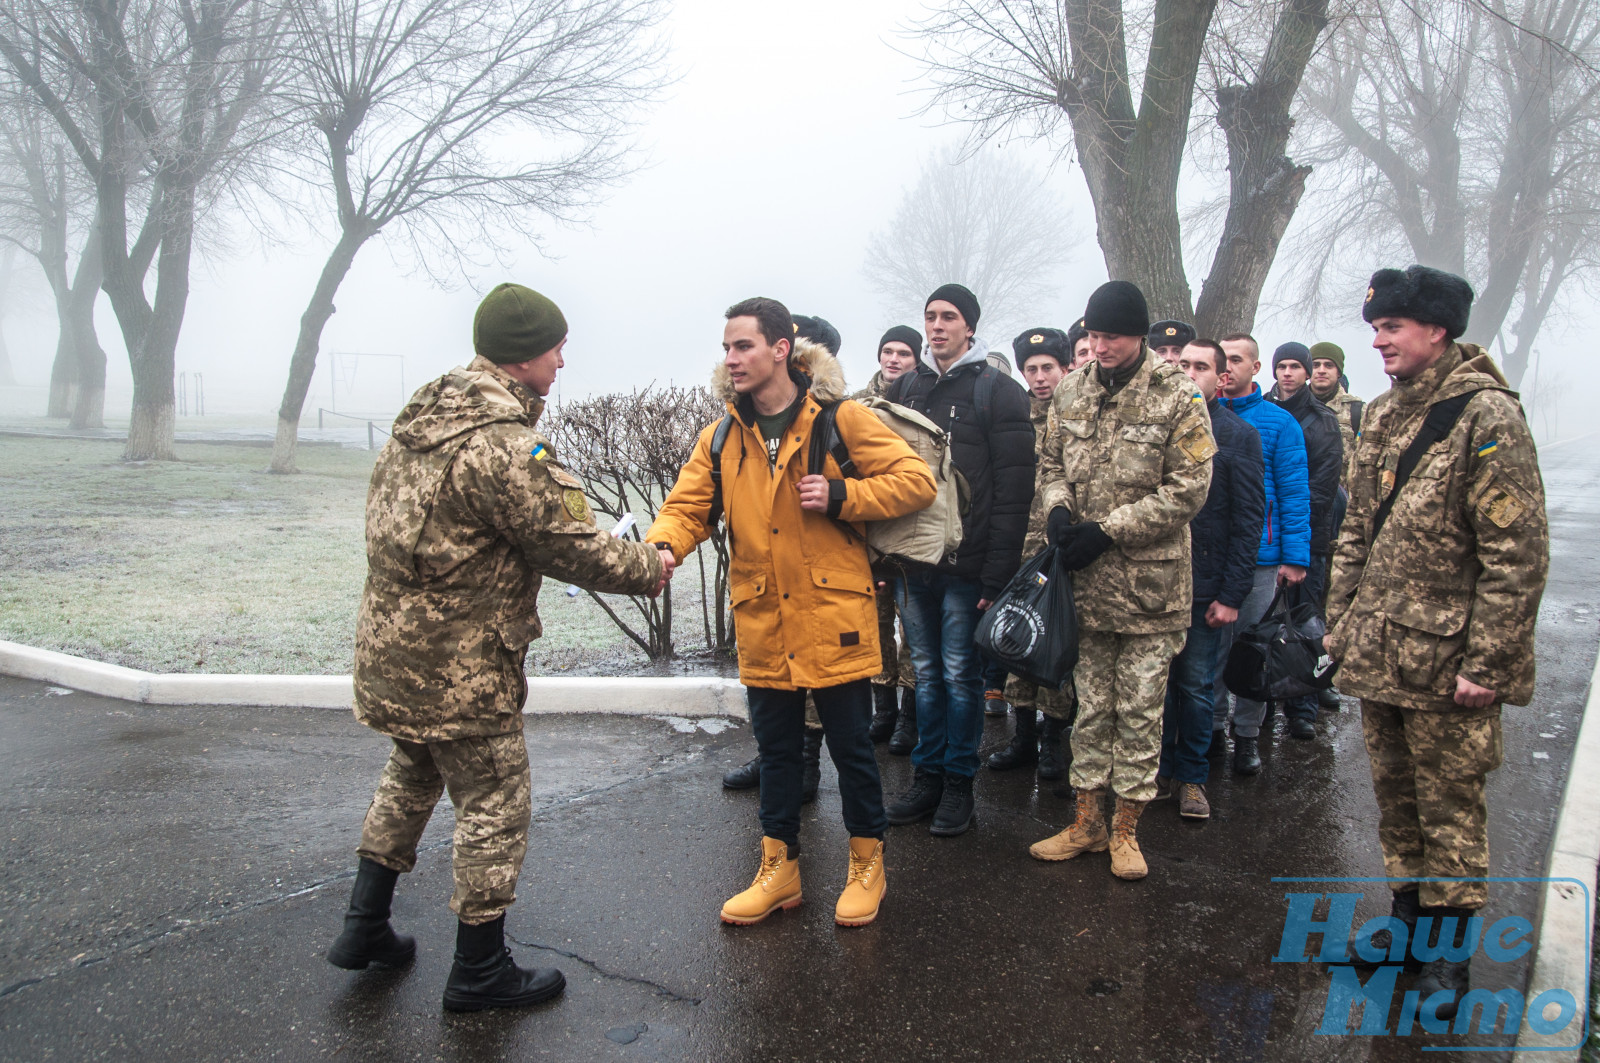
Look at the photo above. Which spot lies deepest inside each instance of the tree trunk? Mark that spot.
(309, 342)
(89, 405)
(64, 370)
(154, 355)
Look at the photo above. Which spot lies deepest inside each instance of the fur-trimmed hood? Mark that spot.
(811, 366)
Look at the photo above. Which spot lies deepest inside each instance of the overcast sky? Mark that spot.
(790, 136)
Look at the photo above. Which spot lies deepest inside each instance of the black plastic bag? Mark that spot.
(1032, 628)
(1282, 655)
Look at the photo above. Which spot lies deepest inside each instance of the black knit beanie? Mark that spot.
(902, 334)
(1423, 294)
(959, 297)
(817, 330)
(514, 324)
(1292, 352)
(1051, 341)
(1117, 307)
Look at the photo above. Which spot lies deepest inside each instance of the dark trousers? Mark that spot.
(1186, 725)
(994, 674)
(1315, 589)
(778, 719)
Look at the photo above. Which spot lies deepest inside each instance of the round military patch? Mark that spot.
(577, 506)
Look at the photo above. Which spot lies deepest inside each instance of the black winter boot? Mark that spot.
(954, 815)
(811, 773)
(746, 776)
(1246, 756)
(927, 787)
(485, 976)
(884, 714)
(1444, 974)
(1051, 764)
(1024, 745)
(1405, 906)
(368, 937)
(905, 728)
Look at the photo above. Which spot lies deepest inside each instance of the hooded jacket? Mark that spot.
(997, 458)
(802, 590)
(1324, 459)
(1286, 531)
(463, 522)
(1451, 586)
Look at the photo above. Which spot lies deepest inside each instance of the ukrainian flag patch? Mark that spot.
(1488, 448)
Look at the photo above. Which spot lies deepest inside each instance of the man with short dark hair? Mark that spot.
(1168, 339)
(800, 583)
(985, 413)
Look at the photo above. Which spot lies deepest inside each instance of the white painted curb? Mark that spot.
(1566, 912)
(634, 696)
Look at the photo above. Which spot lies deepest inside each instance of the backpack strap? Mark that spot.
(719, 440)
(983, 398)
(1442, 417)
(825, 441)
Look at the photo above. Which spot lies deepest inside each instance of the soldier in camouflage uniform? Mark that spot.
(468, 510)
(1432, 613)
(1125, 467)
(1327, 371)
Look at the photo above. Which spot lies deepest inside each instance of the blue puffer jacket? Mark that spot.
(1286, 534)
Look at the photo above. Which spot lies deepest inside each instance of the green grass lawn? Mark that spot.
(210, 564)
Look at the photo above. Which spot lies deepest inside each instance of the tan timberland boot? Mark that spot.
(865, 886)
(1086, 835)
(1126, 859)
(776, 885)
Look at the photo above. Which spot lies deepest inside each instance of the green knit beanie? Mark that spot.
(1331, 351)
(514, 324)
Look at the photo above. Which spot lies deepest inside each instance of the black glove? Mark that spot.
(1058, 526)
(1081, 544)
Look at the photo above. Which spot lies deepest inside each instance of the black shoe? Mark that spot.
(811, 771)
(746, 776)
(904, 739)
(1302, 728)
(1444, 974)
(485, 976)
(1051, 764)
(994, 703)
(954, 815)
(1246, 756)
(884, 714)
(1024, 745)
(1405, 906)
(1329, 700)
(927, 788)
(368, 937)
(1219, 743)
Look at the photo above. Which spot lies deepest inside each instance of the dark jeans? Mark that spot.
(1316, 590)
(1186, 724)
(994, 674)
(778, 719)
(941, 615)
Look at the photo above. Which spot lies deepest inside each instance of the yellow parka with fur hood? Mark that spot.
(802, 590)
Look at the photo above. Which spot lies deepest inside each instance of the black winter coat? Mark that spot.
(997, 459)
(1324, 455)
(1227, 529)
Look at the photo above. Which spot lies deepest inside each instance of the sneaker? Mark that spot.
(1192, 803)
(994, 703)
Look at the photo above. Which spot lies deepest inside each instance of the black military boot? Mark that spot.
(1051, 764)
(746, 776)
(368, 937)
(811, 772)
(954, 814)
(884, 714)
(1024, 745)
(485, 976)
(927, 787)
(1328, 700)
(1246, 755)
(1405, 906)
(905, 728)
(1444, 974)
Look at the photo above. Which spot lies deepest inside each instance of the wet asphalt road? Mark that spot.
(171, 877)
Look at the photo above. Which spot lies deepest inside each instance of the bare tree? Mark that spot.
(155, 98)
(979, 221)
(1032, 66)
(628, 449)
(456, 124)
(1466, 136)
(43, 204)
(8, 262)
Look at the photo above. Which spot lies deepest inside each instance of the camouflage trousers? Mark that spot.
(1122, 695)
(1056, 704)
(1428, 772)
(897, 670)
(488, 782)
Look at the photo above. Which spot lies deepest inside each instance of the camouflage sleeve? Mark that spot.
(1505, 509)
(541, 507)
(1350, 549)
(1050, 478)
(1185, 479)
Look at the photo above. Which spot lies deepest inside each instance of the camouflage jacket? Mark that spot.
(1344, 406)
(874, 389)
(1039, 414)
(1139, 463)
(1452, 585)
(467, 510)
